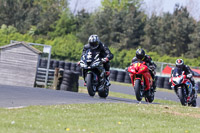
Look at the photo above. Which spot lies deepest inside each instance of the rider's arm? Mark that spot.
(151, 63)
(85, 49)
(189, 71)
(107, 51)
(134, 59)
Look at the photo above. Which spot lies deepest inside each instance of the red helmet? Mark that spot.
(179, 63)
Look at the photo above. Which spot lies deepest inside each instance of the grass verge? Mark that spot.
(101, 118)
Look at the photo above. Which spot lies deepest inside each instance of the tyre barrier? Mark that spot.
(43, 63)
(67, 65)
(160, 82)
(167, 84)
(55, 64)
(120, 76)
(70, 81)
(113, 75)
(73, 66)
(127, 78)
(61, 64)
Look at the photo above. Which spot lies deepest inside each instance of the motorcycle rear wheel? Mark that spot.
(90, 86)
(182, 96)
(138, 91)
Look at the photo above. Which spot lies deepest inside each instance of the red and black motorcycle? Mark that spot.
(183, 88)
(142, 81)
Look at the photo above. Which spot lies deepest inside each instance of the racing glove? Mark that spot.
(189, 76)
(104, 60)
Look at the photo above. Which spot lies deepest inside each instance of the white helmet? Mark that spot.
(93, 41)
(179, 63)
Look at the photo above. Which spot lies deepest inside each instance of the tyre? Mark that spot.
(182, 96)
(138, 91)
(104, 93)
(150, 97)
(127, 78)
(67, 65)
(167, 84)
(73, 67)
(160, 82)
(120, 76)
(90, 86)
(113, 75)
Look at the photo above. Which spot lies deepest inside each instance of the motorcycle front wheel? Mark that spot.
(90, 86)
(150, 96)
(138, 91)
(182, 96)
(104, 92)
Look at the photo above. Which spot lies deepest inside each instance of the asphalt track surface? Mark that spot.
(17, 96)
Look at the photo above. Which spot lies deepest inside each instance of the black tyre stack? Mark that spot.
(73, 66)
(61, 64)
(67, 66)
(160, 82)
(127, 78)
(43, 63)
(55, 64)
(121, 76)
(113, 75)
(70, 81)
(167, 84)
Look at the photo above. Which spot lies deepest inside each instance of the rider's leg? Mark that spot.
(154, 81)
(194, 85)
(107, 68)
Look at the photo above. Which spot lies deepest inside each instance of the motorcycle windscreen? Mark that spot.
(177, 72)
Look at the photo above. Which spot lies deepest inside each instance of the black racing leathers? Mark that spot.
(103, 52)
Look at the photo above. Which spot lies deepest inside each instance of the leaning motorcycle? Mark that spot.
(94, 74)
(142, 81)
(183, 88)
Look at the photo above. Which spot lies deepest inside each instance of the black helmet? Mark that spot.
(140, 54)
(93, 41)
(179, 63)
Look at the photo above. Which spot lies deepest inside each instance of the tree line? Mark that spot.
(121, 25)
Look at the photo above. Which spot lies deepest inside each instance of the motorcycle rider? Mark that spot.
(141, 56)
(188, 72)
(94, 43)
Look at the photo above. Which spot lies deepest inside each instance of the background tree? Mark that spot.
(19, 13)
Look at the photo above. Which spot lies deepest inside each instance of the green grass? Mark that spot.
(101, 118)
(167, 117)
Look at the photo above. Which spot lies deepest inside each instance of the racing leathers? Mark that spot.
(105, 54)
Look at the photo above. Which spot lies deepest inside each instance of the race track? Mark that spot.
(16, 96)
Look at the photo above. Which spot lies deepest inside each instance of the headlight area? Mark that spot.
(95, 64)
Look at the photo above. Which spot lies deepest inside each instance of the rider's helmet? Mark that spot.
(93, 41)
(179, 63)
(140, 54)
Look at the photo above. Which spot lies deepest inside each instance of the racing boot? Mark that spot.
(107, 78)
(154, 85)
(195, 88)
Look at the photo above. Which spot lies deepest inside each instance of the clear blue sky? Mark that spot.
(150, 6)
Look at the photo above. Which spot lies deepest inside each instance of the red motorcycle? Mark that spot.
(183, 88)
(142, 81)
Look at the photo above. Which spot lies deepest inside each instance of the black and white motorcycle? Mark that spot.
(94, 74)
